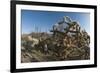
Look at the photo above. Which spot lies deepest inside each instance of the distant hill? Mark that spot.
(37, 35)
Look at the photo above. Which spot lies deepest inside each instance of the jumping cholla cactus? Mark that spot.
(72, 38)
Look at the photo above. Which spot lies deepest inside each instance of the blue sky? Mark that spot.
(33, 21)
